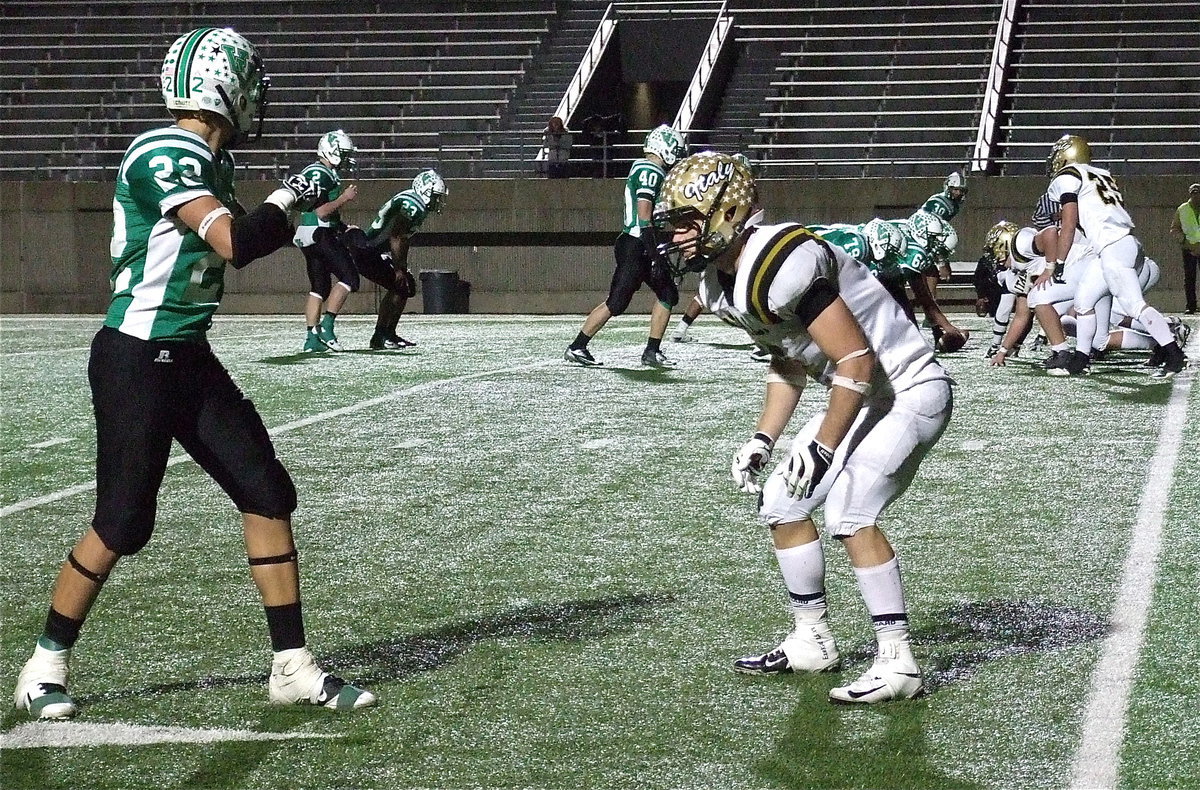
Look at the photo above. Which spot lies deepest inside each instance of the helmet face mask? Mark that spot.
(997, 244)
(665, 143)
(432, 189)
(217, 70)
(705, 203)
(338, 150)
(1069, 149)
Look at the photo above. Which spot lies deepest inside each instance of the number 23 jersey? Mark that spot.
(166, 281)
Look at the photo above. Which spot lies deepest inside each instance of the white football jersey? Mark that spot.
(778, 267)
(1102, 215)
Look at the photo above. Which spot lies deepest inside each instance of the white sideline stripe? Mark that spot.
(48, 443)
(1099, 757)
(26, 504)
(66, 734)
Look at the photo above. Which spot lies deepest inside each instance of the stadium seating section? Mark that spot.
(826, 88)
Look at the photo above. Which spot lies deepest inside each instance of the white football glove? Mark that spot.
(806, 466)
(750, 461)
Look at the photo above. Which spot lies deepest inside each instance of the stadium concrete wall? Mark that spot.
(526, 246)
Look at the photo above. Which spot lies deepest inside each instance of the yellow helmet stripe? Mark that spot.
(767, 266)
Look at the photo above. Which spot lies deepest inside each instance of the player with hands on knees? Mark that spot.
(823, 316)
(155, 380)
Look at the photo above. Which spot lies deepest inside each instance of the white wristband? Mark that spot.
(210, 218)
(1003, 351)
(283, 198)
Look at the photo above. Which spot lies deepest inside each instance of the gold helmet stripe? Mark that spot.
(767, 266)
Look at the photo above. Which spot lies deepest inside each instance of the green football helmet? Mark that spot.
(884, 239)
(338, 150)
(217, 70)
(665, 143)
(957, 181)
(432, 189)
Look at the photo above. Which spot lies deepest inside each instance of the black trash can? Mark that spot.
(440, 291)
(462, 297)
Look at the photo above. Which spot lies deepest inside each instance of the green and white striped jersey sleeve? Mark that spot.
(401, 215)
(643, 183)
(166, 280)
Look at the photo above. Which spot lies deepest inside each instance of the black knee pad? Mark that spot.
(273, 495)
(618, 305)
(124, 536)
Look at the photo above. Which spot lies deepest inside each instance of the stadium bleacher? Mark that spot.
(815, 90)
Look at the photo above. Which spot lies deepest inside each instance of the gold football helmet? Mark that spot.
(1068, 150)
(997, 244)
(712, 193)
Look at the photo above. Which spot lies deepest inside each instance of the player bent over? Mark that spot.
(822, 314)
(155, 379)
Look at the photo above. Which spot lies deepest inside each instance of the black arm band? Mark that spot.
(259, 233)
(819, 295)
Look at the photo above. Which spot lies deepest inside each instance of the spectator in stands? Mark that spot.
(319, 237)
(637, 253)
(1185, 226)
(556, 142)
(155, 379)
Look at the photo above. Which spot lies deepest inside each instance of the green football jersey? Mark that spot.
(330, 186)
(166, 281)
(848, 239)
(643, 183)
(402, 214)
(942, 206)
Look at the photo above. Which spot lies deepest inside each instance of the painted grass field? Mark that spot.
(545, 572)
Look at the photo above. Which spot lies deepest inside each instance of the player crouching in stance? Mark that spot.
(823, 314)
(155, 379)
(381, 251)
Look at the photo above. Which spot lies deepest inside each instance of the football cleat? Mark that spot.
(893, 675)
(760, 354)
(312, 342)
(326, 335)
(809, 648)
(1180, 330)
(297, 680)
(42, 685)
(1080, 364)
(1156, 358)
(1098, 354)
(1056, 363)
(1174, 361)
(389, 341)
(581, 356)
(991, 351)
(656, 359)
(1038, 342)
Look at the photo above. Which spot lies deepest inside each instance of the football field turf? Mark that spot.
(545, 572)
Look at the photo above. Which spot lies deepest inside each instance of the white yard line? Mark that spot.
(58, 734)
(26, 504)
(1098, 760)
(49, 443)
